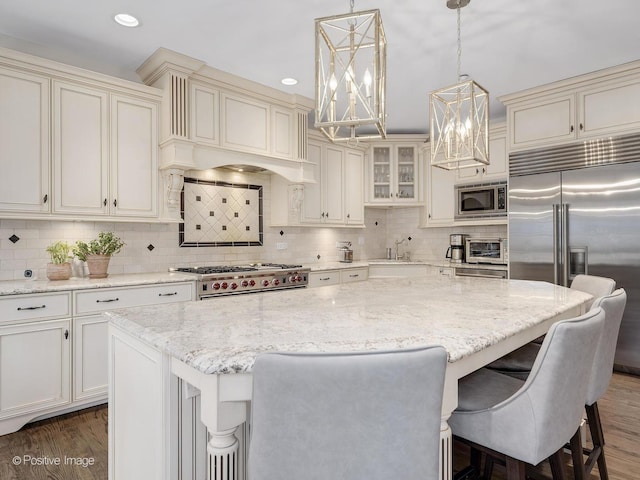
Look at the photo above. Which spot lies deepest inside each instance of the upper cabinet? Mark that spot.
(498, 166)
(24, 142)
(334, 198)
(597, 104)
(76, 145)
(393, 174)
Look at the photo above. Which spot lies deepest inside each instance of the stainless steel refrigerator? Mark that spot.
(576, 209)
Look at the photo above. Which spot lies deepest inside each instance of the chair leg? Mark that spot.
(557, 465)
(579, 472)
(597, 437)
(515, 469)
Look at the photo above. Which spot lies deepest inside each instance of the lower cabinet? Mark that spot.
(34, 367)
(397, 270)
(54, 347)
(321, 278)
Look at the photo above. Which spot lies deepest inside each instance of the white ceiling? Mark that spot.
(507, 45)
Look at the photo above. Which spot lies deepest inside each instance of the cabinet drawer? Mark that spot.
(318, 279)
(103, 299)
(35, 306)
(354, 275)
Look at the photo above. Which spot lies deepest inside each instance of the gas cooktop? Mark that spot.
(216, 269)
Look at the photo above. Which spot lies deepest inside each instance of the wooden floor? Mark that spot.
(82, 437)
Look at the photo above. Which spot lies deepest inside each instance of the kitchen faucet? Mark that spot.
(398, 243)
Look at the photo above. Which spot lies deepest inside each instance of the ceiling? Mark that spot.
(507, 45)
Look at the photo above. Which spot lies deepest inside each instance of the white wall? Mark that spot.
(383, 227)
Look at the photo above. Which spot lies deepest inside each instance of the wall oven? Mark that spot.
(481, 200)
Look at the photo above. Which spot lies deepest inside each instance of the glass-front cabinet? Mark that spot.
(393, 174)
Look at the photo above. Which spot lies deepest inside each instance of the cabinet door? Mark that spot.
(498, 167)
(354, 187)
(547, 121)
(282, 132)
(312, 211)
(34, 367)
(81, 150)
(24, 142)
(381, 174)
(609, 109)
(333, 179)
(441, 204)
(90, 342)
(406, 174)
(134, 159)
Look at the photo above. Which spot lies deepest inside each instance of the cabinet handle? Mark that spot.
(167, 294)
(354, 276)
(66, 334)
(322, 214)
(115, 202)
(46, 197)
(571, 129)
(20, 309)
(581, 127)
(324, 279)
(348, 215)
(105, 202)
(108, 300)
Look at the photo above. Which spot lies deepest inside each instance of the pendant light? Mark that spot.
(459, 118)
(351, 76)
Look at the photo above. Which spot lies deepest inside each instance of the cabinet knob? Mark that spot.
(45, 198)
(581, 127)
(66, 334)
(348, 215)
(104, 202)
(571, 129)
(115, 202)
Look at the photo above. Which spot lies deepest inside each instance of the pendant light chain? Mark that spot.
(459, 43)
(352, 4)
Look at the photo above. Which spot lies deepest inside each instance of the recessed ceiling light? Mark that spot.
(126, 20)
(289, 81)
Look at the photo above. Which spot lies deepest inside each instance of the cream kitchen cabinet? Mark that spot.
(90, 373)
(105, 153)
(440, 194)
(323, 201)
(35, 357)
(354, 187)
(319, 278)
(597, 104)
(498, 168)
(356, 274)
(205, 114)
(24, 142)
(393, 174)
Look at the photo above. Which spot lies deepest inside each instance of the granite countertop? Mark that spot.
(15, 287)
(461, 313)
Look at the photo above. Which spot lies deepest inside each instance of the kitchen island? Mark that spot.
(211, 345)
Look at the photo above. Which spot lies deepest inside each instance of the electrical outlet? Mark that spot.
(282, 246)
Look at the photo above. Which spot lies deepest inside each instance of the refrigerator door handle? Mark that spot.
(565, 244)
(556, 235)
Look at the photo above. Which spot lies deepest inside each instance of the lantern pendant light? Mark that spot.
(351, 76)
(459, 119)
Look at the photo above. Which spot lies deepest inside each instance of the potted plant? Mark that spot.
(97, 253)
(59, 268)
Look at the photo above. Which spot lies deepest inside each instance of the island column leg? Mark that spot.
(222, 449)
(446, 451)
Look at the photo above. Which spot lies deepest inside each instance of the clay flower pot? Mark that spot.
(98, 265)
(59, 271)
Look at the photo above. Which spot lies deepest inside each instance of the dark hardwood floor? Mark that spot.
(82, 437)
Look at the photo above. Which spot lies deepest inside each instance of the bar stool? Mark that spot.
(518, 363)
(613, 306)
(526, 422)
(351, 416)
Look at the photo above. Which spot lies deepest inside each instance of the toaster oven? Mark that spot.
(486, 250)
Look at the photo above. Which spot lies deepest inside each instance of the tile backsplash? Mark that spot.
(152, 247)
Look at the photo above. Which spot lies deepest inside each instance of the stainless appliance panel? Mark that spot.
(595, 230)
(531, 225)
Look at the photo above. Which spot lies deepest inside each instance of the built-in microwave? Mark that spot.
(481, 200)
(486, 250)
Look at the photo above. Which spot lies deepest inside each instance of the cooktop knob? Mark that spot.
(234, 285)
(265, 283)
(216, 286)
(244, 283)
(275, 281)
(252, 283)
(293, 279)
(224, 285)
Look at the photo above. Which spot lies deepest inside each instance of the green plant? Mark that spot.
(59, 252)
(106, 244)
